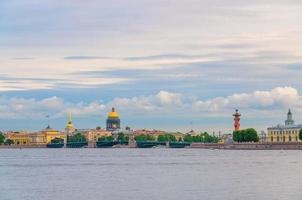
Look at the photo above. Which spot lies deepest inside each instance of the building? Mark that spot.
(284, 133)
(192, 133)
(113, 122)
(35, 138)
(18, 137)
(92, 135)
(148, 132)
(52, 134)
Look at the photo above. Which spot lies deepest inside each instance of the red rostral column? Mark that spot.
(237, 120)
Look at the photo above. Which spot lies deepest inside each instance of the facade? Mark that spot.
(19, 137)
(35, 138)
(92, 135)
(113, 122)
(148, 132)
(284, 133)
(192, 133)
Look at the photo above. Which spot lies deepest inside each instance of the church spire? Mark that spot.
(69, 124)
(289, 121)
(70, 117)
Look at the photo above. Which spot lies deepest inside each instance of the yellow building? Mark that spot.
(19, 138)
(284, 133)
(50, 134)
(35, 138)
(92, 135)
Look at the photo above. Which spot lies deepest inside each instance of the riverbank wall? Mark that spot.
(250, 146)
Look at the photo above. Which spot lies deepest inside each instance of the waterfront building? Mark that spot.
(149, 132)
(69, 129)
(237, 120)
(192, 133)
(113, 122)
(18, 137)
(33, 138)
(50, 134)
(92, 135)
(284, 133)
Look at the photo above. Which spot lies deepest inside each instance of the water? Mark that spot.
(169, 174)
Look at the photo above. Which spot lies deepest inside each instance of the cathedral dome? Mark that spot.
(113, 114)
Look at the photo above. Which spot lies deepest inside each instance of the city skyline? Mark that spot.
(162, 64)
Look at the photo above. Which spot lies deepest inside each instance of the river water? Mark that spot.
(143, 174)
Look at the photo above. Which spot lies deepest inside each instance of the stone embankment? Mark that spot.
(23, 146)
(251, 146)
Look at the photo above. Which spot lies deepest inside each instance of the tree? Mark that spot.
(188, 138)
(143, 138)
(9, 142)
(121, 136)
(105, 139)
(78, 137)
(300, 134)
(166, 138)
(246, 135)
(57, 141)
(2, 138)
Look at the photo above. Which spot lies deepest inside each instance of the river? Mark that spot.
(149, 174)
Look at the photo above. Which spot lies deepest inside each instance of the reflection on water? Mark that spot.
(114, 174)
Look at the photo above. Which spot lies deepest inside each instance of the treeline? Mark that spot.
(5, 141)
(246, 135)
(78, 137)
(203, 137)
(161, 138)
(121, 137)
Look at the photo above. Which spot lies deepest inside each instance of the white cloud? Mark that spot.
(162, 102)
(279, 97)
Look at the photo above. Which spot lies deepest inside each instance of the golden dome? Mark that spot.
(113, 114)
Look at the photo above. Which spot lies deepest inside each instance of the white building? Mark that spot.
(284, 133)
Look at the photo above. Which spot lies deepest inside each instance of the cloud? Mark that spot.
(163, 102)
(161, 57)
(84, 57)
(21, 108)
(279, 97)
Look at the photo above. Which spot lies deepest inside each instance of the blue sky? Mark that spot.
(162, 64)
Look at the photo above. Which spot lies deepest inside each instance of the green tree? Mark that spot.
(121, 137)
(2, 138)
(166, 138)
(57, 141)
(188, 138)
(143, 138)
(105, 138)
(78, 137)
(9, 142)
(300, 134)
(246, 135)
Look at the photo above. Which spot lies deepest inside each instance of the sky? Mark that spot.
(163, 64)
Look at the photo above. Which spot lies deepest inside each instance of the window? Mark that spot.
(290, 138)
(277, 138)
